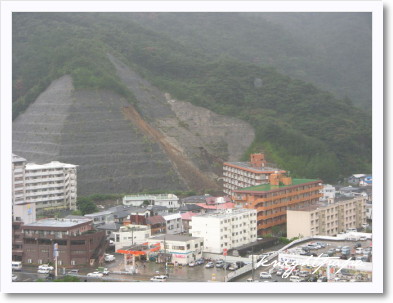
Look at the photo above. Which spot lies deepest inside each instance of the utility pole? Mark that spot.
(252, 262)
(225, 264)
(55, 253)
(166, 267)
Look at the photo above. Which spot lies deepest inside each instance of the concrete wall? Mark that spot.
(298, 223)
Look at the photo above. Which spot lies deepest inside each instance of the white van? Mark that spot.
(294, 279)
(16, 265)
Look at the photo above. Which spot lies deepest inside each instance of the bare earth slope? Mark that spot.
(202, 137)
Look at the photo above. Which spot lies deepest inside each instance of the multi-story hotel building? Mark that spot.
(244, 174)
(272, 200)
(78, 243)
(327, 219)
(226, 229)
(49, 186)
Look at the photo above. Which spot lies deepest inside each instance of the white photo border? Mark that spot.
(374, 7)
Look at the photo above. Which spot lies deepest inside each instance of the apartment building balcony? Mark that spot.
(270, 224)
(272, 215)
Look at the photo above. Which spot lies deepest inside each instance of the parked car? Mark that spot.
(313, 246)
(233, 266)
(14, 277)
(45, 266)
(305, 248)
(294, 279)
(350, 230)
(191, 264)
(357, 245)
(240, 264)
(363, 238)
(265, 275)
(219, 263)
(359, 250)
(303, 273)
(325, 255)
(95, 274)
(109, 258)
(73, 272)
(280, 272)
(343, 257)
(338, 248)
(331, 252)
(209, 265)
(43, 271)
(365, 225)
(322, 279)
(200, 262)
(103, 270)
(322, 244)
(160, 278)
(312, 278)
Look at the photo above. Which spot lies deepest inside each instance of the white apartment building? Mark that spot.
(326, 219)
(49, 186)
(227, 229)
(245, 174)
(182, 249)
(130, 235)
(167, 200)
(328, 191)
(174, 224)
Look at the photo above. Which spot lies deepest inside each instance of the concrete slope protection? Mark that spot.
(162, 145)
(87, 128)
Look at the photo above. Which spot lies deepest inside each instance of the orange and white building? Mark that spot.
(244, 174)
(272, 200)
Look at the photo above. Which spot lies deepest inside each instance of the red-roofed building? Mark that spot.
(216, 206)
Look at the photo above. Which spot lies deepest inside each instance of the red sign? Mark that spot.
(225, 252)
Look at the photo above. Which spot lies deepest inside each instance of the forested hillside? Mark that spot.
(330, 50)
(305, 130)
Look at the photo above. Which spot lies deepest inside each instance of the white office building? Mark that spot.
(181, 249)
(227, 229)
(49, 186)
(167, 200)
(174, 223)
(130, 235)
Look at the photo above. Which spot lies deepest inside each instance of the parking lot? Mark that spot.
(199, 273)
(330, 245)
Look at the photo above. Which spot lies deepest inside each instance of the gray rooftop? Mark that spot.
(109, 226)
(58, 222)
(225, 214)
(257, 169)
(16, 158)
(174, 238)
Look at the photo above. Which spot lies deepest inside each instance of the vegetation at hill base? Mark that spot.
(305, 130)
